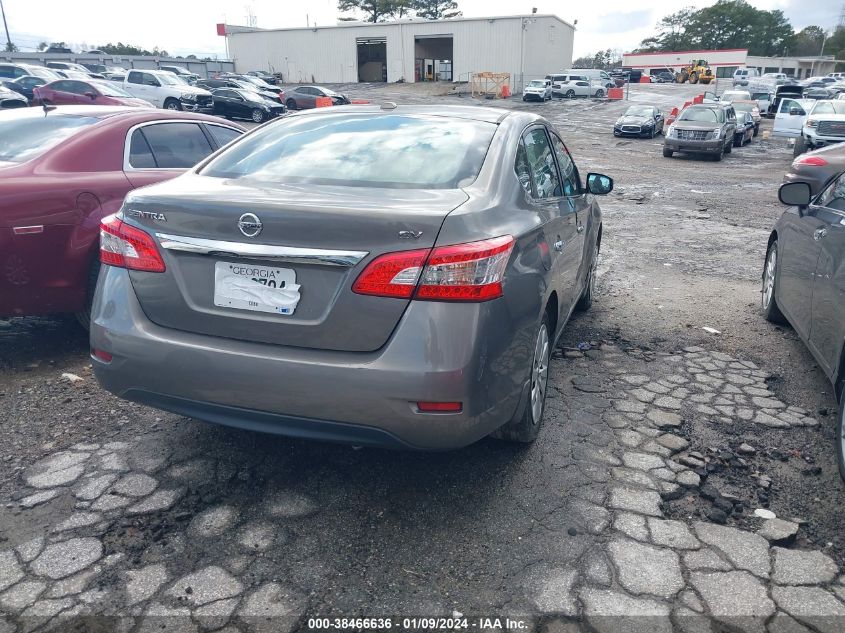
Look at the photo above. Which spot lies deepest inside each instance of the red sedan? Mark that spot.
(79, 92)
(61, 172)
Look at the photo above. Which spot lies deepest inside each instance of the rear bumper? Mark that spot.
(695, 147)
(439, 352)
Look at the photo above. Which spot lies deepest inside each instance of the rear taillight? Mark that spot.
(127, 247)
(440, 407)
(466, 272)
(462, 272)
(812, 161)
(392, 275)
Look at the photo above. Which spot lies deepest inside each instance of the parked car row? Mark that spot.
(709, 129)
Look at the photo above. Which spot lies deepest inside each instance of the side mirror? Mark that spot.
(91, 95)
(794, 112)
(795, 194)
(600, 185)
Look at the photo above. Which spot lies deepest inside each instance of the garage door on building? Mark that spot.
(372, 59)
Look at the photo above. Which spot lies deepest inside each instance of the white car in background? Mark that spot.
(735, 95)
(165, 90)
(824, 125)
(779, 78)
(577, 86)
(539, 89)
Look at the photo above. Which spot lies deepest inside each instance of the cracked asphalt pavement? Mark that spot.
(684, 480)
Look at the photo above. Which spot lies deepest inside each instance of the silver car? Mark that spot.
(376, 275)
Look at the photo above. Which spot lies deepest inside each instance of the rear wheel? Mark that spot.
(290, 104)
(172, 104)
(756, 129)
(729, 148)
(768, 293)
(693, 78)
(800, 146)
(84, 315)
(599, 93)
(257, 115)
(526, 429)
(570, 94)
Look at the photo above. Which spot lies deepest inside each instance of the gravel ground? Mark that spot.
(661, 440)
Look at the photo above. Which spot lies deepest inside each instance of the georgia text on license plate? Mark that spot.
(257, 288)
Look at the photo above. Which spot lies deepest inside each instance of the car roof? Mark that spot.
(105, 113)
(473, 113)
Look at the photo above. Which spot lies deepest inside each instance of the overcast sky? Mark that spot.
(182, 27)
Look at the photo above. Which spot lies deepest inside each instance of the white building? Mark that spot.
(725, 62)
(526, 46)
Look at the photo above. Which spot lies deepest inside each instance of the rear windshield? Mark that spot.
(364, 150)
(744, 107)
(22, 139)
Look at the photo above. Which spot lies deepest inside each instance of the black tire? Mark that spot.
(290, 104)
(84, 315)
(756, 129)
(172, 104)
(738, 141)
(525, 429)
(769, 302)
(729, 148)
(599, 94)
(840, 439)
(570, 94)
(653, 132)
(585, 301)
(667, 153)
(257, 116)
(800, 146)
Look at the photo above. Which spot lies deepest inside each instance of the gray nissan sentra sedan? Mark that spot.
(391, 276)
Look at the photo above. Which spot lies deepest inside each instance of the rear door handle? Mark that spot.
(558, 245)
(580, 228)
(819, 234)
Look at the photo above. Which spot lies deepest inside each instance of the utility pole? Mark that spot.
(6, 26)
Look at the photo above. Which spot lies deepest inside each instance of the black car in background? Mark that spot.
(804, 280)
(787, 91)
(24, 85)
(230, 82)
(236, 103)
(639, 120)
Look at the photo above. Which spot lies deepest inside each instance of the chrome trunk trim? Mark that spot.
(243, 250)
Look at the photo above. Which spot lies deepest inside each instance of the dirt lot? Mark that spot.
(242, 526)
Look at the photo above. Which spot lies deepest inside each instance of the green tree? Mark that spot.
(374, 10)
(586, 61)
(11, 47)
(835, 45)
(436, 9)
(43, 46)
(807, 41)
(726, 24)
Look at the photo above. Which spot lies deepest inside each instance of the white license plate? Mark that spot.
(257, 288)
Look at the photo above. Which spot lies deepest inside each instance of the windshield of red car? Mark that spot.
(22, 139)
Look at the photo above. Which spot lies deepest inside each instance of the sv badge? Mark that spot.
(410, 235)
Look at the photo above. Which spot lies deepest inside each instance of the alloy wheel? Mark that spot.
(540, 374)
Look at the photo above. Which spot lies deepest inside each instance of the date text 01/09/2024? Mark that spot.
(419, 624)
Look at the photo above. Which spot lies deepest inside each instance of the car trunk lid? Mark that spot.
(315, 239)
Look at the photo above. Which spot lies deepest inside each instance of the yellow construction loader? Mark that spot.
(697, 72)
